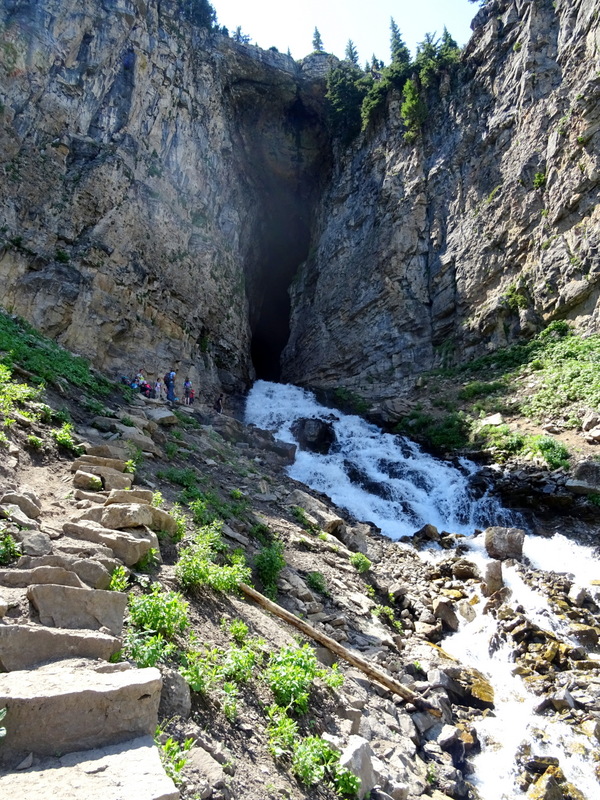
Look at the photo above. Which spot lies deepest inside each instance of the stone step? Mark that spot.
(71, 608)
(26, 646)
(76, 705)
(111, 478)
(83, 462)
(127, 771)
(128, 546)
(22, 578)
(91, 572)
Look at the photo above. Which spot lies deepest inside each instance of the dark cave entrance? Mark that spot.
(286, 242)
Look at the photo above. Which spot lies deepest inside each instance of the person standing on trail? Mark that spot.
(219, 404)
(187, 388)
(170, 382)
(159, 389)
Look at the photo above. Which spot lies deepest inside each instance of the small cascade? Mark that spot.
(379, 477)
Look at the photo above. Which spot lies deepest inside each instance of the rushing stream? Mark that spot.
(389, 481)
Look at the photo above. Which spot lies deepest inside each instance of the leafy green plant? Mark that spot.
(230, 693)
(181, 477)
(281, 731)
(316, 581)
(35, 442)
(360, 562)
(268, 563)
(539, 180)
(2, 715)
(300, 514)
(198, 564)
(237, 629)
(315, 761)
(173, 755)
(148, 562)
(146, 649)
(163, 612)
(64, 438)
(480, 389)
(290, 673)
(157, 500)
(10, 550)
(119, 580)
(554, 452)
(171, 450)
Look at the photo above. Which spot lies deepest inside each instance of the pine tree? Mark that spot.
(427, 59)
(317, 42)
(351, 52)
(449, 51)
(346, 88)
(400, 52)
(413, 110)
(239, 36)
(199, 12)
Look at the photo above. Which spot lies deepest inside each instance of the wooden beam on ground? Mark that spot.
(357, 661)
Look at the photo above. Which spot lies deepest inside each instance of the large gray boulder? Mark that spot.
(24, 646)
(76, 704)
(128, 546)
(131, 770)
(358, 758)
(67, 607)
(316, 435)
(503, 543)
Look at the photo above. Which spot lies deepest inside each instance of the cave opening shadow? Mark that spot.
(285, 247)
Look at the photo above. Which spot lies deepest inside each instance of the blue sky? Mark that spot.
(291, 24)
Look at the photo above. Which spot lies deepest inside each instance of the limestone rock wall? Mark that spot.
(131, 189)
(434, 252)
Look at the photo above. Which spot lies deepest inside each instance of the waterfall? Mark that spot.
(378, 477)
(389, 481)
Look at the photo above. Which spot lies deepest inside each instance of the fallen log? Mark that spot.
(357, 661)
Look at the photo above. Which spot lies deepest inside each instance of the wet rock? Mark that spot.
(492, 580)
(444, 610)
(463, 569)
(316, 435)
(503, 543)
(545, 788)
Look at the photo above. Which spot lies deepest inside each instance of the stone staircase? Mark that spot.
(76, 723)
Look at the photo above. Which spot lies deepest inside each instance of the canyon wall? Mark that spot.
(149, 171)
(163, 187)
(483, 230)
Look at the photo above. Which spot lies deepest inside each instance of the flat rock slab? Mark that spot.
(25, 646)
(90, 571)
(131, 496)
(87, 482)
(127, 771)
(22, 578)
(34, 543)
(128, 546)
(67, 607)
(163, 416)
(108, 451)
(25, 503)
(76, 705)
(111, 478)
(98, 461)
(327, 520)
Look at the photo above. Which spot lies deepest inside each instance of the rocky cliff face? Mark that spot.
(484, 230)
(162, 185)
(149, 173)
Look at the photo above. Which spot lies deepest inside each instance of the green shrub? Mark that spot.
(314, 761)
(35, 442)
(2, 715)
(290, 673)
(148, 562)
(237, 629)
(173, 755)
(10, 550)
(480, 389)
(64, 438)
(163, 612)
(316, 581)
(539, 180)
(554, 452)
(198, 567)
(181, 477)
(146, 649)
(268, 563)
(119, 580)
(281, 731)
(360, 562)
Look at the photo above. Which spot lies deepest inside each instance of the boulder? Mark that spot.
(128, 546)
(26, 504)
(175, 697)
(108, 451)
(129, 496)
(24, 646)
(358, 758)
(316, 435)
(327, 520)
(163, 416)
(137, 439)
(443, 609)
(463, 569)
(131, 770)
(89, 570)
(82, 462)
(33, 543)
(76, 704)
(586, 478)
(492, 580)
(111, 478)
(87, 481)
(127, 515)
(12, 512)
(68, 607)
(22, 578)
(503, 543)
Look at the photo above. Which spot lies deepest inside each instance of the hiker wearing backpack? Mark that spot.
(170, 384)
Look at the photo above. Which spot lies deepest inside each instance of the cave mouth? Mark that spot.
(285, 245)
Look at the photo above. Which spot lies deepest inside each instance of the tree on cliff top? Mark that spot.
(199, 12)
(317, 42)
(400, 52)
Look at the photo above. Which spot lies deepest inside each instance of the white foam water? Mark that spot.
(378, 477)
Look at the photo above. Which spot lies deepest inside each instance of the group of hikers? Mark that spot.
(164, 389)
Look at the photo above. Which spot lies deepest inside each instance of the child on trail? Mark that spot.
(187, 388)
(159, 390)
